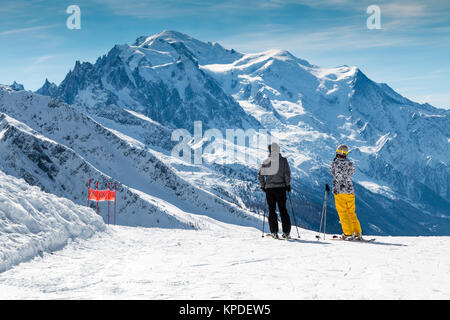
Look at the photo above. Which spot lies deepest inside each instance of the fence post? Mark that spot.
(89, 191)
(109, 189)
(96, 185)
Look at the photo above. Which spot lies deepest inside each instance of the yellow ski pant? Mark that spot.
(345, 206)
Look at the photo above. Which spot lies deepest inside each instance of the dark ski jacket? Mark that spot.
(281, 178)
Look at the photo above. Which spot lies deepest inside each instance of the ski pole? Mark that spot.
(325, 221)
(324, 212)
(115, 196)
(327, 192)
(293, 214)
(264, 219)
(321, 220)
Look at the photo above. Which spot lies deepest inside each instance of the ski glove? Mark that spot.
(327, 188)
(288, 188)
(263, 189)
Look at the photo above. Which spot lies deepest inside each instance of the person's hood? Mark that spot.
(274, 149)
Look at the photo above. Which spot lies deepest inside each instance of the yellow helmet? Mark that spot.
(342, 150)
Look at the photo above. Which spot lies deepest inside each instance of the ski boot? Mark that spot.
(285, 236)
(358, 237)
(347, 238)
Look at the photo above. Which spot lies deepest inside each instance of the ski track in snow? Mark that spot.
(232, 262)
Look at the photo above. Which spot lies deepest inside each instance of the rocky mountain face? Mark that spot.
(145, 90)
(159, 77)
(48, 89)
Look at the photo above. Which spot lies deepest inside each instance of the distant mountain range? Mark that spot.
(113, 120)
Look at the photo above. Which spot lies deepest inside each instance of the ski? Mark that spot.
(293, 239)
(338, 238)
(365, 240)
(269, 235)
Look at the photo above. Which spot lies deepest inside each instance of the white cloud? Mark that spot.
(338, 38)
(44, 58)
(438, 100)
(22, 30)
(412, 10)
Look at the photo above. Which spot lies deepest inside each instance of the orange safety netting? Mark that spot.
(102, 195)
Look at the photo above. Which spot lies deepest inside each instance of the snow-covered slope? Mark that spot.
(168, 41)
(400, 147)
(318, 108)
(55, 146)
(235, 263)
(33, 222)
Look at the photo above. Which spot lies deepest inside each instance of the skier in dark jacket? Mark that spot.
(274, 177)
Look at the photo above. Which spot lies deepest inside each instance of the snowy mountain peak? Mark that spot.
(17, 86)
(159, 77)
(168, 42)
(166, 35)
(48, 89)
(12, 87)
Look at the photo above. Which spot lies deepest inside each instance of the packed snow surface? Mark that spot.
(33, 222)
(232, 262)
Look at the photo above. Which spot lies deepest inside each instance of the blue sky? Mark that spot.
(410, 52)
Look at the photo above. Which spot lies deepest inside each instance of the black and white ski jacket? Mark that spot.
(342, 170)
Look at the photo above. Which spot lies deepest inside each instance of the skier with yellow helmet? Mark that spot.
(342, 170)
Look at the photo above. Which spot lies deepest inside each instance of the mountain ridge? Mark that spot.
(174, 80)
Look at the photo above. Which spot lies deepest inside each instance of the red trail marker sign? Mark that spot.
(103, 195)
